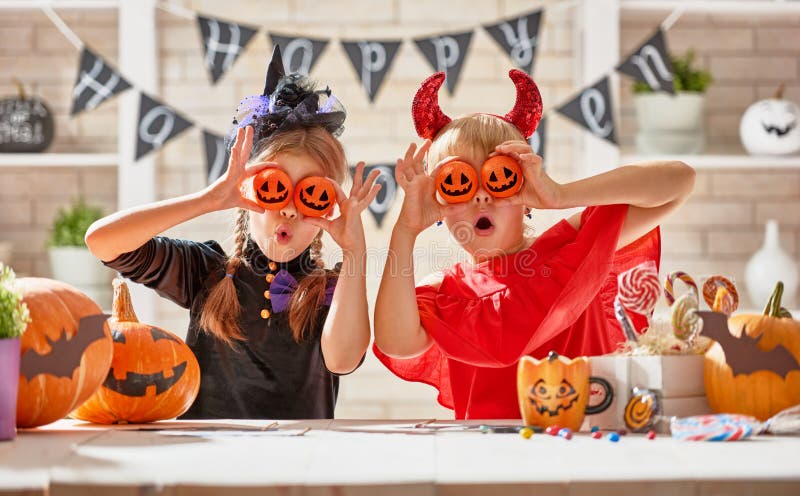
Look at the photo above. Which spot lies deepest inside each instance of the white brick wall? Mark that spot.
(714, 233)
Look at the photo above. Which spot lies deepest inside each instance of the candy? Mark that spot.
(651, 434)
(723, 302)
(613, 437)
(669, 291)
(720, 427)
(642, 410)
(552, 430)
(595, 429)
(597, 435)
(565, 433)
(713, 284)
(686, 323)
(526, 432)
(639, 288)
(624, 321)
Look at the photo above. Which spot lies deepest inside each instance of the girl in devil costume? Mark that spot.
(463, 331)
(266, 323)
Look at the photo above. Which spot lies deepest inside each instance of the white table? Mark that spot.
(380, 457)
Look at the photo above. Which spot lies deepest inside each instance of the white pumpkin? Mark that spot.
(771, 127)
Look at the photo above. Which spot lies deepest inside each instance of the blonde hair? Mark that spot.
(220, 314)
(473, 135)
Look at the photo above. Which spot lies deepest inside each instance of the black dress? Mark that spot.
(268, 375)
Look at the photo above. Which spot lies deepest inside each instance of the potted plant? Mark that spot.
(673, 124)
(70, 259)
(13, 320)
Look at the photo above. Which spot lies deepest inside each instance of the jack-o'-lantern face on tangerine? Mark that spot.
(314, 196)
(456, 182)
(552, 399)
(501, 176)
(273, 188)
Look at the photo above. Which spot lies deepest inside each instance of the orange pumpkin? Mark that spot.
(553, 391)
(456, 182)
(65, 351)
(272, 188)
(770, 343)
(501, 176)
(314, 196)
(153, 376)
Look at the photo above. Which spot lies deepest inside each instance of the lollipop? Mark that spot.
(639, 288)
(624, 321)
(711, 286)
(669, 291)
(721, 427)
(642, 410)
(723, 302)
(686, 323)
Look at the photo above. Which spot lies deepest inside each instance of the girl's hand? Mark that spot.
(347, 230)
(538, 190)
(420, 208)
(225, 192)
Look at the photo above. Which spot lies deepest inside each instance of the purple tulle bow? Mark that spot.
(283, 286)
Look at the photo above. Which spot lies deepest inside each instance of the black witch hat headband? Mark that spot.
(288, 102)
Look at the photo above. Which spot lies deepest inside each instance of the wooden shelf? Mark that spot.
(722, 161)
(59, 160)
(736, 7)
(59, 4)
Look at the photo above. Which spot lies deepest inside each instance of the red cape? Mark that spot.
(556, 295)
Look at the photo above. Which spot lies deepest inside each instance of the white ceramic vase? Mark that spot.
(769, 265)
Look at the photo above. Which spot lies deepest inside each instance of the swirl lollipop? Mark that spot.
(642, 410)
(639, 288)
(713, 284)
(686, 323)
(723, 302)
(669, 290)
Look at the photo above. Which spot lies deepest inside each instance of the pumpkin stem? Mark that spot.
(779, 92)
(773, 308)
(20, 88)
(552, 356)
(121, 307)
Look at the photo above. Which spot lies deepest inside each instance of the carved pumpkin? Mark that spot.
(754, 368)
(26, 123)
(314, 196)
(272, 188)
(554, 391)
(153, 376)
(501, 176)
(65, 351)
(456, 182)
(771, 126)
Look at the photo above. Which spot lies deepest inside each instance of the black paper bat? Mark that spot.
(743, 354)
(778, 131)
(136, 384)
(65, 354)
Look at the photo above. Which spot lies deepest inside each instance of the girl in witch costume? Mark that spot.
(271, 328)
(463, 331)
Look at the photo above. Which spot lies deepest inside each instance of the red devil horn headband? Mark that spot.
(429, 118)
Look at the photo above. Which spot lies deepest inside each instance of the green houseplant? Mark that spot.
(70, 259)
(673, 124)
(13, 320)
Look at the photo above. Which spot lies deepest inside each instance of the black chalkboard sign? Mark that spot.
(26, 124)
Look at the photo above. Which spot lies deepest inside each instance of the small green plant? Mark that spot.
(71, 224)
(14, 316)
(686, 77)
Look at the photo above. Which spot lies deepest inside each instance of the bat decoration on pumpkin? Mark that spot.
(136, 384)
(65, 353)
(743, 354)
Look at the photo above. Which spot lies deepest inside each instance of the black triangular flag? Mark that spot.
(650, 64)
(371, 60)
(592, 108)
(538, 139)
(299, 54)
(96, 82)
(518, 37)
(446, 53)
(223, 42)
(216, 156)
(385, 199)
(156, 125)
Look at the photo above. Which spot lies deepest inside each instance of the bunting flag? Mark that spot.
(223, 42)
(299, 54)
(387, 194)
(446, 53)
(371, 60)
(216, 155)
(96, 82)
(592, 108)
(537, 140)
(650, 64)
(157, 124)
(518, 37)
